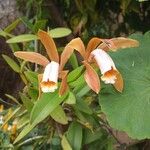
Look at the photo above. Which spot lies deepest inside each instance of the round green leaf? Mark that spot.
(130, 110)
(59, 32)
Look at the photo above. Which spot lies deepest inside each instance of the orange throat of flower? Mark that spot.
(109, 77)
(48, 86)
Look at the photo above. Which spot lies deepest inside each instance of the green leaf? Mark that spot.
(32, 77)
(27, 102)
(129, 111)
(44, 106)
(59, 115)
(22, 121)
(11, 63)
(5, 34)
(71, 98)
(89, 136)
(22, 38)
(65, 144)
(12, 26)
(33, 93)
(73, 61)
(40, 24)
(59, 32)
(27, 23)
(73, 75)
(83, 106)
(142, 0)
(12, 98)
(83, 91)
(24, 132)
(14, 47)
(74, 135)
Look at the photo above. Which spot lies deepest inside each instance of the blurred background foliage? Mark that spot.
(88, 18)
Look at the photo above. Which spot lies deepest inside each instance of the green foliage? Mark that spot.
(74, 135)
(22, 38)
(129, 110)
(12, 63)
(59, 32)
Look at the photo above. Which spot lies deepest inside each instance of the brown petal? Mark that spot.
(117, 43)
(119, 82)
(32, 57)
(49, 45)
(75, 44)
(64, 86)
(93, 43)
(91, 78)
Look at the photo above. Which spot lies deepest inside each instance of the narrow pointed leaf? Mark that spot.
(12, 98)
(65, 144)
(12, 26)
(22, 38)
(49, 45)
(91, 78)
(11, 63)
(75, 44)
(73, 75)
(44, 106)
(39, 24)
(32, 57)
(24, 132)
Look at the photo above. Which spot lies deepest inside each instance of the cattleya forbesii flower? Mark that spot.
(48, 80)
(97, 49)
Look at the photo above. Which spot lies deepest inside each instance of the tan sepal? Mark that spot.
(40, 76)
(92, 44)
(91, 78)
(63, 86)
(117, 43)
(75, 44)
(49, 45)
(32, 57)
(119, 82)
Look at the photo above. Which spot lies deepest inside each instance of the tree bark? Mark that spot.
(10, 82)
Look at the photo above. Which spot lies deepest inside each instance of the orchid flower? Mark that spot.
(49, 79)
(97, 49)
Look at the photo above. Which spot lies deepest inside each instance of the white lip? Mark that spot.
(50, 77)
(106, 65)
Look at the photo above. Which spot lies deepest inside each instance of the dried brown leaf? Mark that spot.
(49, 45)
(32, 57)
(92, 78)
